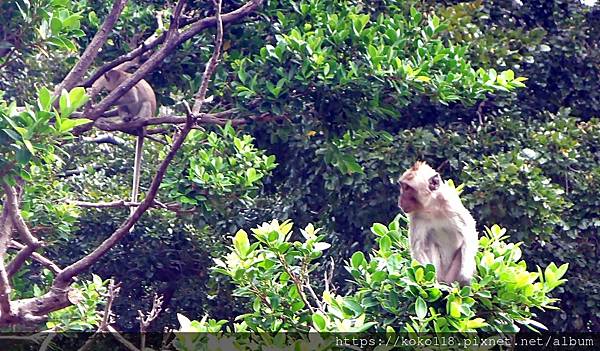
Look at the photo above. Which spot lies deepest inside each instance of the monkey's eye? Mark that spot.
(403, 187)
(434, 182)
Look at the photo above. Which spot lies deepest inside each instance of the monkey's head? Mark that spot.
(111, 79)
(417, 187)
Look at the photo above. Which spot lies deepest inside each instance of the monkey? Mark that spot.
(137, 103)
(441, 230)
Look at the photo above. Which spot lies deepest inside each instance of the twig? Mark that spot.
(145, 320)
(313, 294)
(328, 277)
(37, 257)
(175, 207)
(212, 63)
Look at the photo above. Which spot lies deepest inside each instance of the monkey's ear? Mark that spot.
(112, 75)
(434, 182)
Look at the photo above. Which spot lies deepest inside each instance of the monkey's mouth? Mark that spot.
(407, 204)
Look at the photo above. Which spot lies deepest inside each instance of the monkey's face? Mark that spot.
(417, 186)
(408, 200)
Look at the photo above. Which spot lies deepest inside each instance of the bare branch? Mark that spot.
(145, 320)
(5, 289)
(47, 341)
(175, 207)
(22, 256)
(35, 256)
(208, 118)
(105, 139)
(113, 292)
(15, 214)
(212, 63)
(92, 49)
(12, 206)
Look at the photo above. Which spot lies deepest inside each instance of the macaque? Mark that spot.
(138, 103)
(441, 230)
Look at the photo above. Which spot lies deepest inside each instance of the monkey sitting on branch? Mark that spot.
(139, 103)
(441, 230)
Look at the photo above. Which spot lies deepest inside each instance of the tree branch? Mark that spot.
(212, 63)
(92, 49)
(124, 204)
(148, 318)
(15, 215)
(5, 289)
(34, 255)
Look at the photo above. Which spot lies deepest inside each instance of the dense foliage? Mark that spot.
(393, 294)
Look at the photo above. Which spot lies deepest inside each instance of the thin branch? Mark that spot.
(105, 139)
(44, 261)
(328, 277)
(92, 49)
(47, 341)
(175, 207)
(17, 262)
(314, 295)
(203, 119)
(147, 319)
(32, 243)
(113, 292)
(212, 63)
(15, 215)
(5, 289)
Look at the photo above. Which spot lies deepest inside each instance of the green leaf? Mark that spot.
(44, 99)
(29, 146)
(379, 229)
(357, 259)
(241, 243)
(420, 308)
(476, 323)
(64, 103)
(353, 305)
(72, 21)
(55, 25)
(78, 97)
(23, 156)
(319, 322)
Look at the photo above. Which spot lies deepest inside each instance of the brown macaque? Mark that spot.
(138, 103)
(441, 230)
